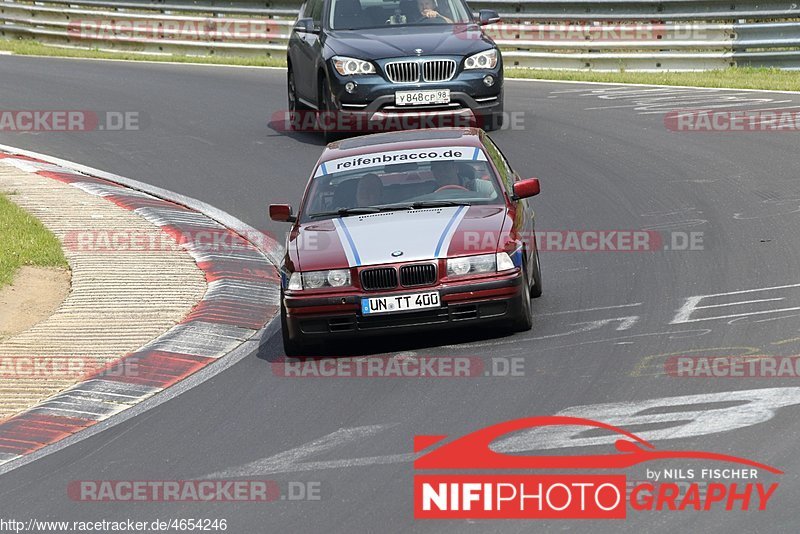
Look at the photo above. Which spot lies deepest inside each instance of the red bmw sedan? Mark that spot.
(407, 231)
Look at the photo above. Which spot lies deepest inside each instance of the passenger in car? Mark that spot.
(427, 8)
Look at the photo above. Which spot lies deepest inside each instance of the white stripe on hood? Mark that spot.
(419, 234)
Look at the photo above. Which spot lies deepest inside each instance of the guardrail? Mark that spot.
(642, 35)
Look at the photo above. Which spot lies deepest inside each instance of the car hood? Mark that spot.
(378, 238)
(380, 43)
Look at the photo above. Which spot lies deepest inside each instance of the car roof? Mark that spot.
(403, 140)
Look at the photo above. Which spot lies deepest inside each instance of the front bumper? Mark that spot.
(465, 304)
(373, 99)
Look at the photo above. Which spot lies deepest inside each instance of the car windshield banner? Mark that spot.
(460, 153)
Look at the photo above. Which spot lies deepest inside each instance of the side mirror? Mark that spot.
(305, 25)
(526, 188)
(488, 16)
(281, 213)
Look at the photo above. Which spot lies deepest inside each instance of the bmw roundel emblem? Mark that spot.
(418, 51)
(397, 253)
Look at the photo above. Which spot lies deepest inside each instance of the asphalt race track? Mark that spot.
(603, 328)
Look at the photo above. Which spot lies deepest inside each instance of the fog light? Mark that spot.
(488, 80)
(350, 87)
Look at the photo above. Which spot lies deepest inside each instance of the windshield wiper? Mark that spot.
(366, 210)
(347, 211)
(438, 203)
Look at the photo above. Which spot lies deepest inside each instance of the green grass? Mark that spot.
(25, 241)
(27, 47)
(738, 78)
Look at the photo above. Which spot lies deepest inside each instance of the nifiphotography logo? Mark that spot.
(507, 492)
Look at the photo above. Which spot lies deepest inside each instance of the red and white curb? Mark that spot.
(242, 297)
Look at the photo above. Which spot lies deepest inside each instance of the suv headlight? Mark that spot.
(347, 66)
(319, 279)
(482, 60)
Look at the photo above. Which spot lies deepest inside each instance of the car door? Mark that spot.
(305, 50)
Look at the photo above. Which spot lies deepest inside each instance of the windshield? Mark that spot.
(360, 14)
(370, 189)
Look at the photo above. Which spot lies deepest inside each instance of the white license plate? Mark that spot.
(422, 97)
(399, 303)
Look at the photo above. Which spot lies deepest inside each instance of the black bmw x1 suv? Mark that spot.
(357, 62)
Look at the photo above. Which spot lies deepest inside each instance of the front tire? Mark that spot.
(291, 347)
(327, 109)
(291, 91)
(536, 279)
(523, 318)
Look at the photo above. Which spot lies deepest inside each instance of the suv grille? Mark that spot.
(434, 70)
(418, 275)
(439, 70)
(383, 278)
(403, 71)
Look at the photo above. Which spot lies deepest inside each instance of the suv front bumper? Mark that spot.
(373, 98)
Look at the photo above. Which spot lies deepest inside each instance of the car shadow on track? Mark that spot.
(281, 127)
(309, 136)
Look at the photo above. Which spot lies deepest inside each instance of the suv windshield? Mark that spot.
(360, 14)
(401, 186)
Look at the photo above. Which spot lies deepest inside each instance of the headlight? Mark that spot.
(482, 60)
(314, 279)
(347, 66)
(318, 279)
(338, 278)
(458, 266)
(485, 263)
